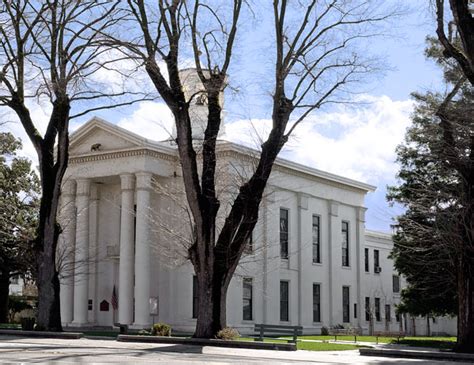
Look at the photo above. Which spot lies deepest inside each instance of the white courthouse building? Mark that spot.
(310, 261)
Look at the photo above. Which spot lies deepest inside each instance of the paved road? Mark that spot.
(15, 350)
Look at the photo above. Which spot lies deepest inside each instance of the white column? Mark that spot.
(127, 236)
(142, 251)
(93, 250)
(81, 274)
(67, 239)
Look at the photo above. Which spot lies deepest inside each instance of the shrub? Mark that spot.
(228, 334)
(161, 329)
(324, 331)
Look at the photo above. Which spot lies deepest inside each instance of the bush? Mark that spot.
(161, 329)
(228, 334)
(324, 331)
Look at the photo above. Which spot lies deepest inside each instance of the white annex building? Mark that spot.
(123, 247)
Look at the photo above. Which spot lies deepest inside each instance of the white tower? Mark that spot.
(198, 111)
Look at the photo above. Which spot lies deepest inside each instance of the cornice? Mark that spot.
(293, 171)
(110, 155)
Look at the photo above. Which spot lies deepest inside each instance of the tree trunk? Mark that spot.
(428, 326)
(4, 291)
(212, 307)
(465, 341)
(52, 170)
(49, 317)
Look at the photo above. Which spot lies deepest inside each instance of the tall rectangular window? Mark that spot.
(345, 305)
(376, 261)
(345, 243)
(367, 309)
(388, 313)
(284, 297)
(283, 233)
(396, 283)
(355, 310)
(247, 298)
(377, 309)
(316, 239)
(195, 296)
(249, 244)
(366, 259)
(316, 303)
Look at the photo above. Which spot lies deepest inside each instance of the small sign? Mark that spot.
(153, 306)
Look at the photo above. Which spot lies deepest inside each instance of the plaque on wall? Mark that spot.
(104, 306)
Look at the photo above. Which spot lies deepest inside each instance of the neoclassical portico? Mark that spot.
(78, 288)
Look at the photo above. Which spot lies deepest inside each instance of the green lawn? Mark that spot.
(435, 342)
(310, 346)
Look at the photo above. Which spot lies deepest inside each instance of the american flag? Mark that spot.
(114, 299)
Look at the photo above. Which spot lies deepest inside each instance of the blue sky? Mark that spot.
(356, 141)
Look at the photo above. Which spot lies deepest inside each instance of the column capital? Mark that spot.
(83, 186)
(144, 180)
(94, 192)
(333, 208)
(127, 181)
(69, 187)
(303, 201)
(361, 214)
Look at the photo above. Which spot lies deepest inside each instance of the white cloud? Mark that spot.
(355, 141)
(151, 120)
(40, 115)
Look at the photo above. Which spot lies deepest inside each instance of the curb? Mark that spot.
(209, 342)
(413, 354)
(43, 334)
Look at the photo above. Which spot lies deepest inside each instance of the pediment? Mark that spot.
(98, 136)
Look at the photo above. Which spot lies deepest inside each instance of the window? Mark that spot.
(396, 283)
(195, 296)
(249, 246)
(367, 309)
(284, 295)
(377, 309)
(284, 233)
(345, 243)
(376, 261)
(247, 297)
(316, 303)
(316, 239)
(90, 305)
(366, 259)
(388, 313)
(355, 310)
(345, 305)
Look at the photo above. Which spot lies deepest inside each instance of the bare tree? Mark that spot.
(50, 53)
(316, 60)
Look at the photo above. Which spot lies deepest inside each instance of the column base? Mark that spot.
(136, 326)
(80, 324)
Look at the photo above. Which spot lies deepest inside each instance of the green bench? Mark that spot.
(262, 329)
